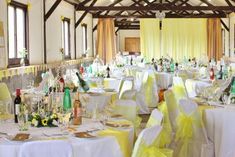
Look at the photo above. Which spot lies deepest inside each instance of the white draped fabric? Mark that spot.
(221, 130)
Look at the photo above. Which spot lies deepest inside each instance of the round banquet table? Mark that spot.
(99, 146)
(195, 86)
(221, 130)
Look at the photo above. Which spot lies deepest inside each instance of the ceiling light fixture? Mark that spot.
(160, 15)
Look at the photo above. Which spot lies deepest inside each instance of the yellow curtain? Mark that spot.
(214, 35)
(184, 38)
(150, 38)
(106, 46)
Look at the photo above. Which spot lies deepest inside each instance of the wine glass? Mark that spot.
(225, 98)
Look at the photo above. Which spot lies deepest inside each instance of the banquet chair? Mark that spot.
(179, 88)
(128, 109)
(5, 97)
(137, 96)
(155, 118)
(149, 89)
(54, 148)
(172, 107)
(144, 145)
(165, 136)
(126, 83)
(191, 138)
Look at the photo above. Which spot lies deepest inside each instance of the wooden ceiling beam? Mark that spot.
(229, 3)
(111, 5)
(167, 16)
(153, 7)
(83, 3)
(84, 14)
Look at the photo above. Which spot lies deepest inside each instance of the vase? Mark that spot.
(22, 62)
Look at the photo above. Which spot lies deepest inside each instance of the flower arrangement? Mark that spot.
(44, 120)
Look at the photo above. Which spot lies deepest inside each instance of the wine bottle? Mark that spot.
(108, 72)
(82, 83)
(212, 74)
(67, 100)
(77, 111)
(17, 103)
(220, 73)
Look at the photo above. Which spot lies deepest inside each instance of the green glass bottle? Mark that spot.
(67, 103)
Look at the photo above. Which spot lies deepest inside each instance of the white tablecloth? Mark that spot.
(164, 80)
(221, 130)
(82, 147)
(194, 87)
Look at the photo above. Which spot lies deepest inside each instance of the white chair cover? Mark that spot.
(5, 98)
(198, 145)
(146, 137)
(138, 98)
(127, 83)
(172, 107)
(127, 108)
(155, 118)
(46, 149)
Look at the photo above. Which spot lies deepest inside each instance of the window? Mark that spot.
(17, 32)
(66, 37)
(84, 38)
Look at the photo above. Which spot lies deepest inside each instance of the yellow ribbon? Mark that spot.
(153, 151)
(185, 127)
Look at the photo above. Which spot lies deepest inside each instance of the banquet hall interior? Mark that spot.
(117, 78)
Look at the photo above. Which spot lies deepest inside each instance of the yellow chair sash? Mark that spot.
(153, 151)
(152, 121)
(184, 127)
(122, 137)
(165, 136)
(179, 92)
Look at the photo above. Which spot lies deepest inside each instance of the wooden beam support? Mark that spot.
(52, 9)
(83, 3)
(155, 8)
(94, 28)
(84, 14)
(225, 26)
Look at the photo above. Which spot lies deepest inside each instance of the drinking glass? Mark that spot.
(22, 122)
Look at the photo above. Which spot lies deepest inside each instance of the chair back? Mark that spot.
(126, 108)
(155, 118)
(46, 149)
(4, 92)
(179, 88)
(172, 107)
(126, 84)
(145, 138)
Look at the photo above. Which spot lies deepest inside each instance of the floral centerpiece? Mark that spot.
(44, 120)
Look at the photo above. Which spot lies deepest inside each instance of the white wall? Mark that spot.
(87, 20)
(126, 33)
(53, 30)
(232, 25)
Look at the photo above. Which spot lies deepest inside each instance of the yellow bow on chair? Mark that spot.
(185, 127)
(153, 151)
